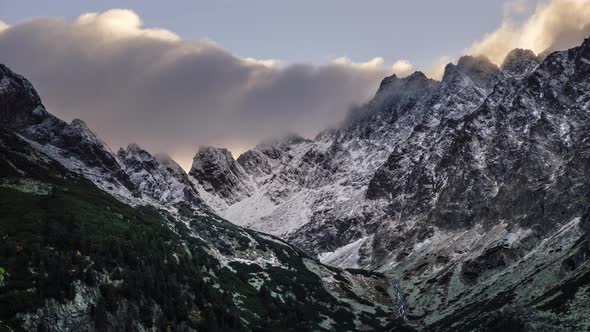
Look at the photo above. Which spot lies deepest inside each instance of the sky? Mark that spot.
(301, 31)
(173, 75)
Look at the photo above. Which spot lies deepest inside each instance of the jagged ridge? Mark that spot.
(447, 185)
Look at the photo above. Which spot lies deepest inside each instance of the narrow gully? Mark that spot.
(400, 300)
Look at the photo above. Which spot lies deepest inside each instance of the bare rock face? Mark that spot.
(80, 141)
(520, 62)
(20, 105)
(21, 110)
(217, 171)
(479, 70)
(159, 177)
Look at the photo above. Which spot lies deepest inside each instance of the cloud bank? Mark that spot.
(554, 25)
(3, 26)
(402, 68)
(549, 26)
(148, 85)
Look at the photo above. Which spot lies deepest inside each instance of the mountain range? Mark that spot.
(452, 205)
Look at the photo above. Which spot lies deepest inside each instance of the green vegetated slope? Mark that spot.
(547, 291)
(72, 257)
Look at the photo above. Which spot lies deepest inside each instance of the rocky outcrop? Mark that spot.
(520, 63)
(160, 177)
(217, 171)
(20, 105)
(22, 111)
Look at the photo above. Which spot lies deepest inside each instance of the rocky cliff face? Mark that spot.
(465, 189)
(20, 105)
(160, 178)
(217, 172)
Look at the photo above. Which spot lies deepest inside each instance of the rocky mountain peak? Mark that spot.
(269, 154)
(80, 124)
(210, 153)
(520, 62)
(397, 92)
(394, 83)
(387, 81)
(165, 158)
(171, 165)
(20, 105)
(477, 69)
(78, 129)
(287, 139)
(583, 61)
(134, 151)
(74, 145)
(133, 174)
(417, 75)
(479, 64)
(218, 172)
(158, 178)
(82, 142)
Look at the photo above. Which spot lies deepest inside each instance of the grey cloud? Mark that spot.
(132, 84)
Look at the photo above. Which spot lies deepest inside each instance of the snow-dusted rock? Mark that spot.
(520, 62)
(159, 178)
(217, 171)
(20, 105)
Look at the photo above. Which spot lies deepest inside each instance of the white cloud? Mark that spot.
(373, 64)
(437, 69)
(3, 25)
(550, 26)
(271, 63)
(122, 23)
(555, 25)
(132, 83)
(514, 8)
(402, 68)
